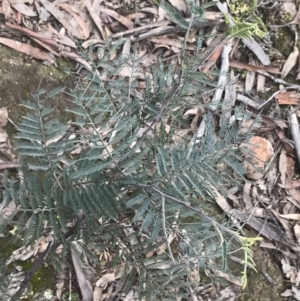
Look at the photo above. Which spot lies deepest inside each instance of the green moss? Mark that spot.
(20, 77)
(43, 278)
(283, 41)
(287, 17)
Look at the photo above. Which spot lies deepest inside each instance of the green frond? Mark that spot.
(245, 30)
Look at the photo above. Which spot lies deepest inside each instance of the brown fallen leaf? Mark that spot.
(51, 36)
(257, 49)
(23, 9)
(261, 80)
(292, 216)
(43, 36)
(288, 98)
(271, 122)
(169, 42)
(290, 62)
(288, 146)
(7, 11)
(248, 67)
(46, 46)
(60, 37)
(3, 117)
(20, 1)
(66, 19)
(91, 42)
(137, 15)
(294, 184)
(125, 21)
(247, 196)
(212, 59)
(148, 60)
(84, 26)
(3, 137)
(213, 16)
(95, 16)
(274, 121)
(287, 171)
(250, 77)
(28, 49)
(262, 151)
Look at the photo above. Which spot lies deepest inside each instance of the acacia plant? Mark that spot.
(120, 177)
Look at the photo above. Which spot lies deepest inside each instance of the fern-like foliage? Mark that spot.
(245, 30)
(146, 196)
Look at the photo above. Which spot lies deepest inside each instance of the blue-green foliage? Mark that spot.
(119, 176)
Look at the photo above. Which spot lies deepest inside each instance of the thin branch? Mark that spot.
(278, 80)
(139, 29)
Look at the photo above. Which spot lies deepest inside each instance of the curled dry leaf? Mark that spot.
(290, 62)
(193, 111)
